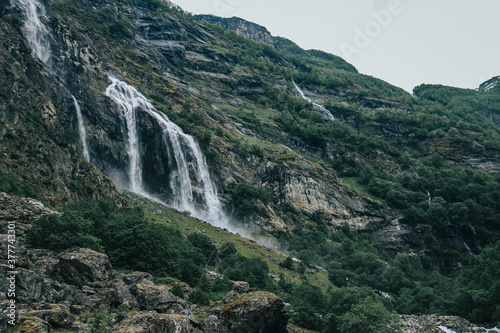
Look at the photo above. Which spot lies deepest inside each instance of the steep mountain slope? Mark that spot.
(141, 96)
(173, 57)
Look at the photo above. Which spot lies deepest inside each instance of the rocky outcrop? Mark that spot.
(158, 298)
(85, 267)
(305, 185)
(438, 324)
(56, 315)
(490, 85)
(151, 322)
(98, 290)
(393, 236)
(36, 119)
(256, 312)
(245, 28)
(34, 325)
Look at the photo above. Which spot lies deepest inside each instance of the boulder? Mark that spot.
(241, 286)
(122, 285)
(151, 322)
(136, 277)
(159, 298)
(85, 267)
(211, 324)
(55, 314)
(34, 325)
(230, 297)
(32, 288)
(21, 253)
(100, 300)
(44, 262)
(66, 293)
(259, 312)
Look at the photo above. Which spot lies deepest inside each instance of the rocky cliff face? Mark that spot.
(245, 28)
(490, 85)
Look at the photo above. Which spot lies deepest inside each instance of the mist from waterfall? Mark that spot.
(36, 33)
(184, 155)
(326, 113)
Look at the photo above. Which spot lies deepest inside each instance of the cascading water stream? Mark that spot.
(38, 37)
(81, 129)
(182, 149)
(326, 113)
(129, 101)
(35, 32)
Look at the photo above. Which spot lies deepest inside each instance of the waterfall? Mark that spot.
(38, 37)
(429, 197)
(182, 150)
(129, 100)
(326, 113)
(35, 32)
(81, 129)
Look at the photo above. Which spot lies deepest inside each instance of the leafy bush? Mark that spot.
(177, 291)
(206, 247)
(199, 297)
(368, 316)
(245, 197)
(252, 270)
(358, 309)
(60, 232)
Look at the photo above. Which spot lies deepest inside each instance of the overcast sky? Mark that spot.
(404, 42)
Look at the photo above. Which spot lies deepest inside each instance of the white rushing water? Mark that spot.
(129, 101)
(35, 32)
(38, 37)
(326, 113)
(181, 148)
(81, 129)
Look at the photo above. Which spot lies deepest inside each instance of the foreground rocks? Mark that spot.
(82, 282)
(438, 324)
(65, 290)
(256, 312)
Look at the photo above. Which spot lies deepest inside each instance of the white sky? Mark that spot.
(450, 42)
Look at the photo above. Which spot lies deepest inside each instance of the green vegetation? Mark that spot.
(134, 242)
(11, 184)
(246, 198)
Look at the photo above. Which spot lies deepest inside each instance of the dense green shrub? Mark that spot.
(253, 270)
(126, 236)
(198, 296)
(11, 184)
(245, 200)
(60, 232)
